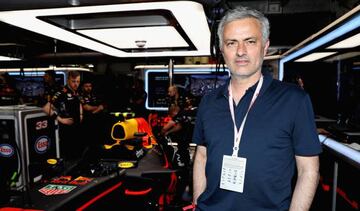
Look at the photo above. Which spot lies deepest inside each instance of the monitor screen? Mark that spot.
(191, 81)
(202, 84)
(31, 84)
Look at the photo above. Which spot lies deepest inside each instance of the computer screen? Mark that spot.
(195, 82)
(202, 84)
(31, 84)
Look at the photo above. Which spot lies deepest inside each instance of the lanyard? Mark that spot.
(238, 134)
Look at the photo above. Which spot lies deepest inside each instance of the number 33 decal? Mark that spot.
(41, 125)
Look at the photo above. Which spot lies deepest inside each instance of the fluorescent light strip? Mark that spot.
(314, 56)
(190, 16)
(350, 42)
(350, 25)
(188, 71)
(6, 58)
(37, 73)
(35, 69)
(340, 148)
(180, 66)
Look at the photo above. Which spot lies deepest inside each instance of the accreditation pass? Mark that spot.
(233, 173)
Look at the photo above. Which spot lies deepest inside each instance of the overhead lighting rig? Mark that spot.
(170, 28)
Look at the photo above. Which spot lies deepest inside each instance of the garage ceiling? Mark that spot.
(291, 22)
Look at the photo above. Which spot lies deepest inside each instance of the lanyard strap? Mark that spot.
(238, 133)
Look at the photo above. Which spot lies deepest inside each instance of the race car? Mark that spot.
(132, 172)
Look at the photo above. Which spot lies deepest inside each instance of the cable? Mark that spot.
(19, 172)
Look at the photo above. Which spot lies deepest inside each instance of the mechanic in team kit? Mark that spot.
(66, 108)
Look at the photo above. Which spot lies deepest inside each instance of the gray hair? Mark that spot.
(240, 13)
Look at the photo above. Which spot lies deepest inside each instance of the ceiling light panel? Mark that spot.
(125, 38)
(6, 58)
(315, 56)
(350, 42)
(348, 26)
(112, 20)
(190, 17)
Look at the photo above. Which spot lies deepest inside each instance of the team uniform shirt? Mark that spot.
(89, 99)
(137, 103)
(279, 125)
(179, 102)
(184, 118)
(67, 104)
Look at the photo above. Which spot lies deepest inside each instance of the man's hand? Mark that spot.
(65, 121)
(98, 109)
